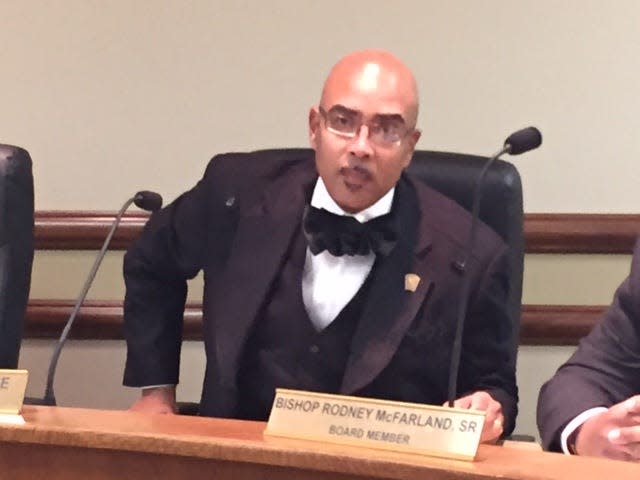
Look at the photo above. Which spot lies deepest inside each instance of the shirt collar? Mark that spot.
(322, 199)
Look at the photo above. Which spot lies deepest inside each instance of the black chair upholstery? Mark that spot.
(455, 175)
(16, 248)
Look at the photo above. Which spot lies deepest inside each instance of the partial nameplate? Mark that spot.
(367, 422)
(13, 384)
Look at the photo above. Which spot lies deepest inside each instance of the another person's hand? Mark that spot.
(612, 434)
(493, 418)
(158, 400)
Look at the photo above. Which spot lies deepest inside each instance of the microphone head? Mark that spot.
(523, 140)
(150, 201)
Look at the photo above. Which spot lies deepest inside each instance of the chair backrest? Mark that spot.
(455, 175)
(16, 248)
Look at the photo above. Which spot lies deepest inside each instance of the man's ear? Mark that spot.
(414, 137)
(413, 140)
(314, 125)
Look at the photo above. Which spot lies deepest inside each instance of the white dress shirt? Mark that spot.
(573, 425)
(330, 282)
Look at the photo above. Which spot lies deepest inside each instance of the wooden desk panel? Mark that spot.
(66, 443)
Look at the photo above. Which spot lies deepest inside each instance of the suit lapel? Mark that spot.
(262, 238)
(390, 308)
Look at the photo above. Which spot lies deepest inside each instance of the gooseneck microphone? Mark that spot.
(145, 200)
(522, 141)
(515, 144)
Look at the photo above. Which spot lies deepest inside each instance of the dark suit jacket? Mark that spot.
(604, 370)
(236, 224)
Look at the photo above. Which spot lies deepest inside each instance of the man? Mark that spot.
(591, 406)
(290, 303)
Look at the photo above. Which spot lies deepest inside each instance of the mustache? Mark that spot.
(358, 168)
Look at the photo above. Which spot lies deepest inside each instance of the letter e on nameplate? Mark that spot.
(13, 384)
(368, 422)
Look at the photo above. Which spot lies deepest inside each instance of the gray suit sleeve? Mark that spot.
(604, 370)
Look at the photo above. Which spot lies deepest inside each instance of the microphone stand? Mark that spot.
(518, 142)
(49, 395)
(456, 351)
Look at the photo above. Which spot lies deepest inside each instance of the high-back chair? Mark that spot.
(16, 248)
(455, 175)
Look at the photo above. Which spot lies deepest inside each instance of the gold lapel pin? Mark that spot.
(411, 282)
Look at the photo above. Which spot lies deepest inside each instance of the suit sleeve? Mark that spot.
(489, 342)
(604, 370)
(156, 267)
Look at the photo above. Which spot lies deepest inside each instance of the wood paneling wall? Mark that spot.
(540, 324)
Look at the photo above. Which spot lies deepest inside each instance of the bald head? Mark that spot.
(377, 74)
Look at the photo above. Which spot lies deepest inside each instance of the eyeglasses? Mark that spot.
(384, 130)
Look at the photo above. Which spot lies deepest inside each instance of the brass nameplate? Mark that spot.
(367, 422)
(13, 384)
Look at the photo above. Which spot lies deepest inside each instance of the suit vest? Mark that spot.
(284, 348)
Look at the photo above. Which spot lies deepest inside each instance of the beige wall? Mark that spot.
(112, 97)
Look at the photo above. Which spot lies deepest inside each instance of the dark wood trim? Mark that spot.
(544, 232)
(101, 320)
(580, 233)
(557, 324)
(541, 324)
(84, 230)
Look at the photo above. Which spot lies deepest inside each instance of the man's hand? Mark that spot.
(493, 418)
(612, 434)
(158, 400)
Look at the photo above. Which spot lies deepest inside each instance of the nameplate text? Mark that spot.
(400, 426)
(13, 384)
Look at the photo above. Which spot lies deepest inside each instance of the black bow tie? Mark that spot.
(343, 235)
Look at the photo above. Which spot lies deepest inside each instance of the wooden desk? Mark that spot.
(69, 443)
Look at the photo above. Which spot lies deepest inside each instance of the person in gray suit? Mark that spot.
(332, 272)
(591, 406)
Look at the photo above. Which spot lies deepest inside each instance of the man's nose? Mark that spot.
(361, 144)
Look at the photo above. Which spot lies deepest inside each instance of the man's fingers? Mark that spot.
(630, 406)
(633, 405)
(476, 401)
(631, 409)
(626, 440)
(626, 413)
(492, 430)
(464, 402)
(492, 415)
(493, 419)
(498, 424)
(625, 436)
(479, 402)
